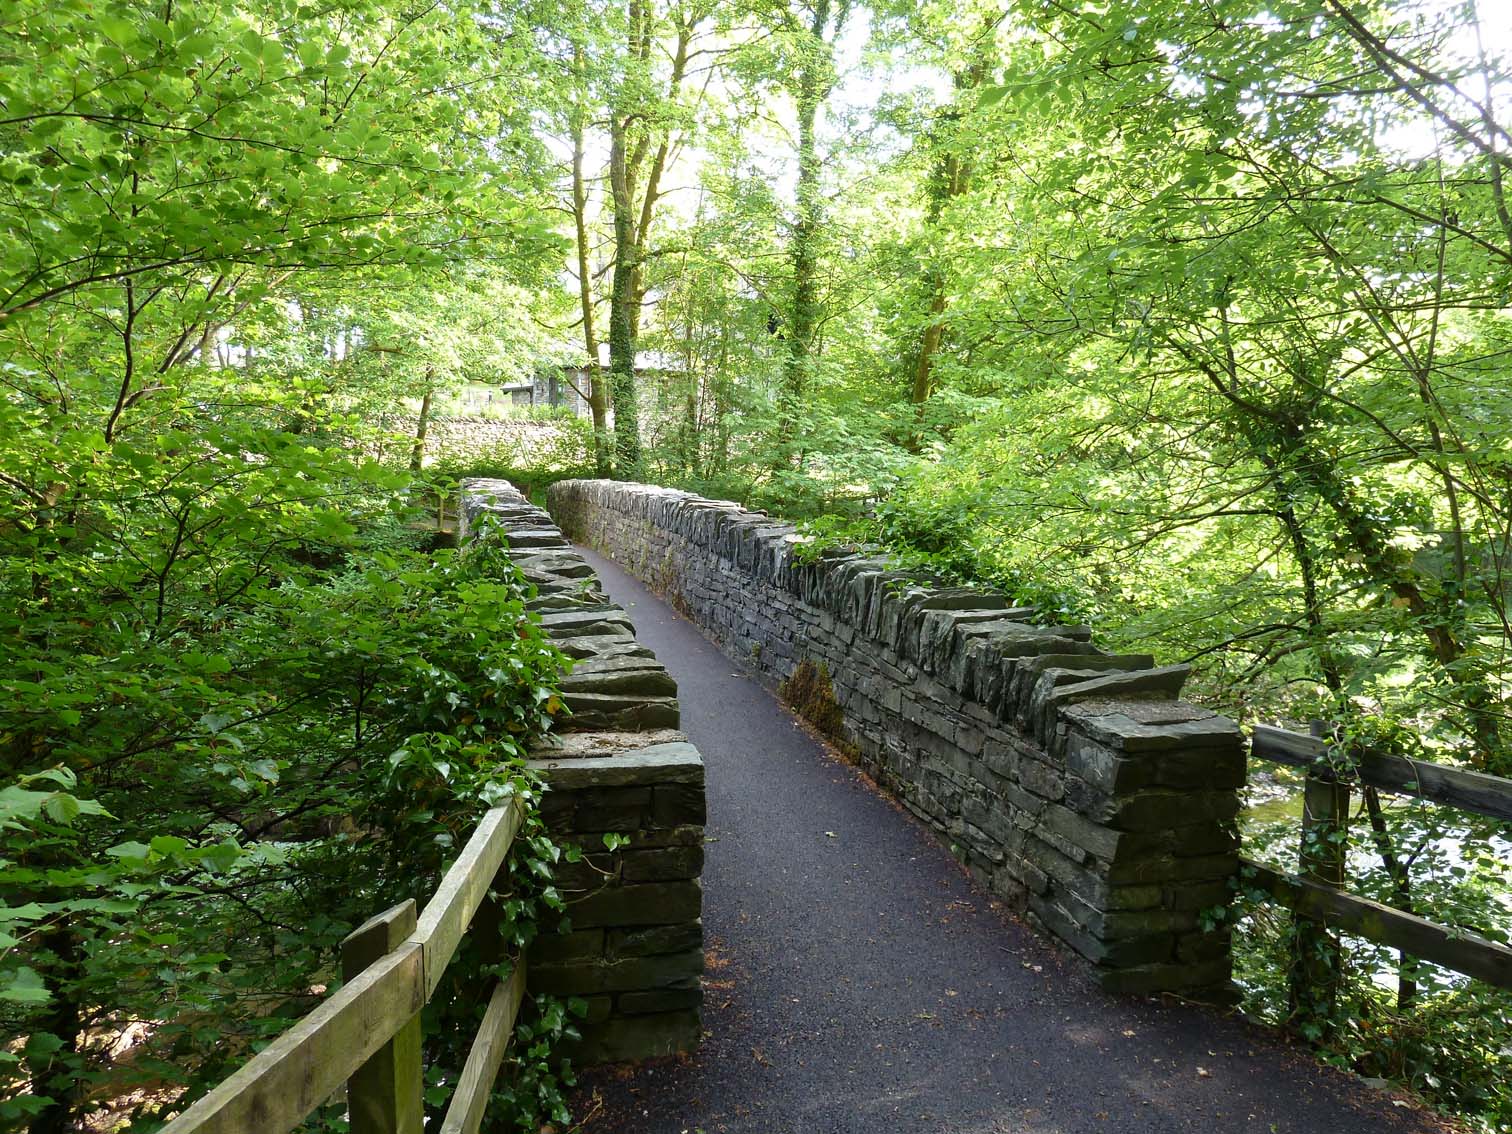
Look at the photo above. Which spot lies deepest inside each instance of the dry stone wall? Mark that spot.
(462, 439)
(635, 950)
(1072, 782)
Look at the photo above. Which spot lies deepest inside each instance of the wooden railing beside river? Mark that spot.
(1317, 896)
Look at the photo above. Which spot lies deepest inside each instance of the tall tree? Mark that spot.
(1260, 317)
(648, 124)
(598, 388)
(949, 178)
(811, 28)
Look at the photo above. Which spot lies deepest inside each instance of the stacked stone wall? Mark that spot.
(527, 443)
(1071, 782)
(620, 767)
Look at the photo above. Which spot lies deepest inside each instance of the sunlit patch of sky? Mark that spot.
(1482, 48)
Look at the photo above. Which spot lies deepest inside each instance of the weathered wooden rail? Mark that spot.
(1316, 895)
(367, 1035)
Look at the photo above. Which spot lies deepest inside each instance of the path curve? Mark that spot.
(859, 981)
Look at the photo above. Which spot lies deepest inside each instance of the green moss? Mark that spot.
(812, 695)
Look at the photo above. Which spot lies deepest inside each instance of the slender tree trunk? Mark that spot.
(654, 173)
(952, 178)
(803, 318)
(622, 304)
(722, 408)
(929, 346)
(598, 388)
(417, 453)
(632, 226)
(688, 442)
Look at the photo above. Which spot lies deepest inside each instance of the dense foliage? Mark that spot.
(1187, 321)
(241, 707)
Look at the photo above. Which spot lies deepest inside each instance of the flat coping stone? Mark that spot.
(677, 762)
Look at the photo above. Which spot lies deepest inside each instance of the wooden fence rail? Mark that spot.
(1490, 796)
(1454, 949)
(1319, 899)
(367, 1034)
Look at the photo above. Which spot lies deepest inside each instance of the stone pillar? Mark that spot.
(635, 952)
(1151, 803)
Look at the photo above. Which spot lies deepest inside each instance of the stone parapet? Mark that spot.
(1072, 782)
(634, 952)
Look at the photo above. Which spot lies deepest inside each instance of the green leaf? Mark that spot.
(23, 986)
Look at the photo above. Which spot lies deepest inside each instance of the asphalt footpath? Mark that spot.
(857, 980)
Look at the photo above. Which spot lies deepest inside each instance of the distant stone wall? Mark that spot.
(635, 952)
(527, 443)
(1072, 783)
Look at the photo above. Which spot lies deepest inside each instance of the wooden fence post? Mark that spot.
(1317, 963)
(385, 1094)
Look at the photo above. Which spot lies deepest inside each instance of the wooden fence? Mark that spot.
(367, 1035)
(1316, 895)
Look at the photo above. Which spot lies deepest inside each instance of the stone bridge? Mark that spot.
(1033, 953)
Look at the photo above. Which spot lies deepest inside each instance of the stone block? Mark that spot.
(651, 940)
(659, 1000)
(639, 1037)
(662, 864)
(676, 805)
(1161, 682)
(684, 835)
(628, 711)
(1163, 810)
(647, 903)
(1135, 897)
(1103, 767)
(1119, 924)
(1092, 837)
(1043, 780)
(677, 762)
(1054, 918)
(1151, 726)
(1169, 868)
(588, 873)
(611, 809)
(559, 948)
(1225, 768)
(1068, 872)
(1198, 895)
(1212, 945)
(617, 975)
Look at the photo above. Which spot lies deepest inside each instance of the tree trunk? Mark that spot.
(934, 334)
(417, 454)
(722, 407)
(952, 178)
(598, 389)
(50, 1073)
(632, 227)
(622, 304)
(803, 318)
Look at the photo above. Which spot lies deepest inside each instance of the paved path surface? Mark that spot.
(858, 980)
